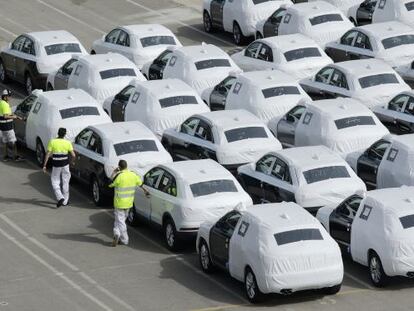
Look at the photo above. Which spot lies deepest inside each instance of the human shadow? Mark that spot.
(19, 201)
(79, 237)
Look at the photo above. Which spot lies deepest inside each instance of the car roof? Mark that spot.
(338, 108)
(397, 200)
(66, 98)
(266, 78)
(310, 9)
(146, 30)
(286, 43)
(231, 118)
(277, 217)
(123, 131)
(105, 61)
(52, 37)
(204, 51)
(363, 67)
(381, 31)
(166, 87)
(198, 170)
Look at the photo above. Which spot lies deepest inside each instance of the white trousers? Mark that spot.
(120, 227)
(60, 182)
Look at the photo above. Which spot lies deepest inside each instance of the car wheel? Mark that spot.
(93, 52)
(3, 75)
(28, 84)
(204, 257)
(376, 272)
(238, 36)
(132, 218)
(170, 235)
(208, 25)
(96, 192)
(250, 284)
(258, 35)
(333, 290)
(49, 87)
(40, 153)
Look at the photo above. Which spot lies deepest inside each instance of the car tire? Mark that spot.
(40, 153)
(170, 235)
(259, 35)
(3, 74)
(208, 25)
(333, 290)
(28, 84)
(253, 293)
(49, 87)
(238, 36)
(93, 52)
(132, 218)
(376, 271)
(205, 258)
(96, 192)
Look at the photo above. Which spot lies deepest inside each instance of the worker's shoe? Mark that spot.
(18, 158)
(115, 241)
(6, 158)
(60, 203)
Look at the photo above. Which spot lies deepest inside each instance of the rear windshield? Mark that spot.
(297, 235)
(386, 78)
(280, 90)
(260, 1)
(157, 40)
(212, 186)
(135, 146)
(211, 63)
(245, 133)
(301, 53)
(321, 19)
(78, 111)
(393, 42)
(324, 173)
(178, 100)
(62, 48)
(407, 221)
(354, 121)
(410, 6)
(117, 72)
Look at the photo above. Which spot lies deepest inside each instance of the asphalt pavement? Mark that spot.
(61, 259)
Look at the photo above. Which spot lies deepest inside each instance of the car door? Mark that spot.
(62, 76)
(365, 11)
(109, 44)
(369, 161)
(264, 58)
(338, 85)
(317, 88)
(280, 188)
(94, 160)
(248, 62)
(201, 145)
(10, 55)
(392, 115)
(163, 198)
(216, 10)
(122, 45)
(79, 168)
(339, 51)
(119, 103)
(361, 48)
(271, 26)
(25, 60)
(287, 126)
(220, 235)
(219, 94)
(179, 145)
(156, 69)
(151, 182)
(405, 122)
(22, 111)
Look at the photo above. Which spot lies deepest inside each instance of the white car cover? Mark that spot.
(318, 126)
(266, 94)
(343, 5)
(384, 223)
(300, 265)
(144, 104)
(394, 10)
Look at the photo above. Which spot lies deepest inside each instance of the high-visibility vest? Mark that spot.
(60, 149)
(125, 184)
(5, 124)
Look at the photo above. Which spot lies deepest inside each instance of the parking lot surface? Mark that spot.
(62, 260)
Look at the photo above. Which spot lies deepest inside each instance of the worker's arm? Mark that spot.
(73, 155)
(48, 154)
(141, 185)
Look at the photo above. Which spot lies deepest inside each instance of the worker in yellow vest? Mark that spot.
(125, 183)
(60, 149)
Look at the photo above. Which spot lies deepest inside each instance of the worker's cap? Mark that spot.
(61, 131)
(6, 92)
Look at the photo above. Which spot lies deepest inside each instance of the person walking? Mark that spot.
(6, 128)
(125, 183)
(60, 149)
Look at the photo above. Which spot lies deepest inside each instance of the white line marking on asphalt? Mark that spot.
(360, 282)
(178, 22)
(55, 271)
(70, 16)
(17, 24)
(65, 262)
(8, 31)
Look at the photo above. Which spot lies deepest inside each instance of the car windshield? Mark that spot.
(62, 48)
(298, 235)
(280, 90)
(135, 146)
(301, 53)
(212, 186)
(211, 63)
(322, 19)
(354, 121)
(410, 6)
(370, 81)
(407, 221)
(178, 100)
(78, 111)
(117, 72)
(157, 40)
(393, 42)
(324, 173)
(245, 133)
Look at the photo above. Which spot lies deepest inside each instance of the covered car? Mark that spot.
(377, 231)
(398, 10)
(139, 43)
(185, 194)
(346, 6)
(162, 104)
(311, 176)
(272, 248)
(295, 54)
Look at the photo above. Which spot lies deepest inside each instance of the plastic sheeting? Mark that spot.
(393, 10)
